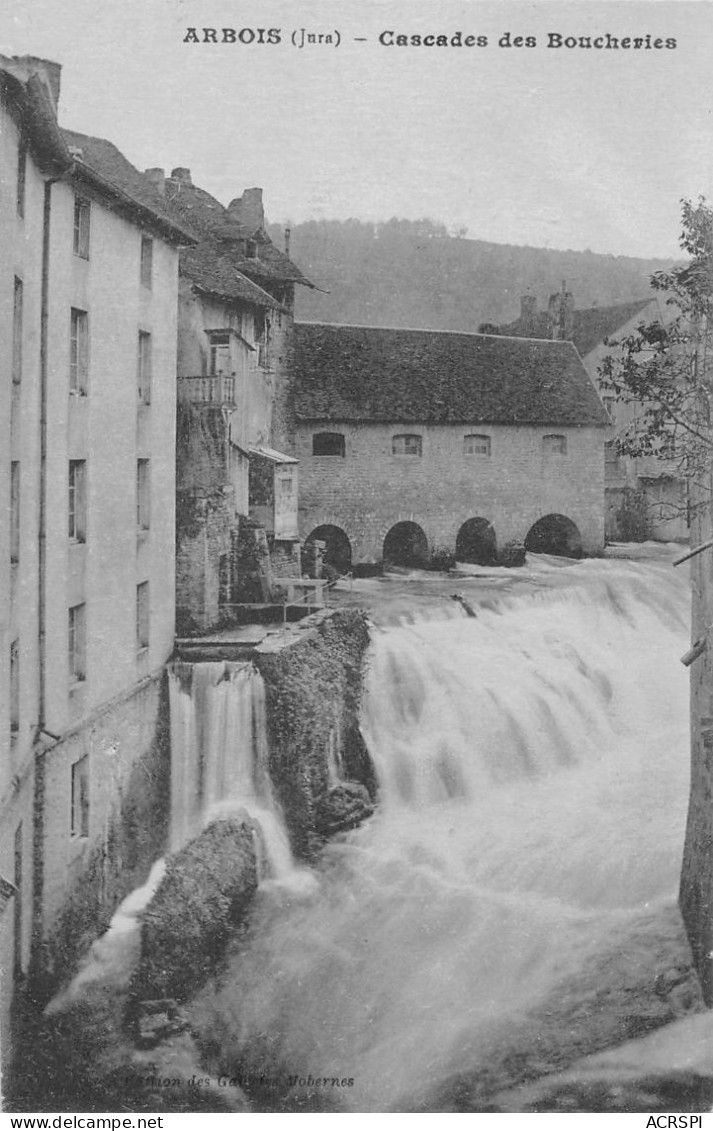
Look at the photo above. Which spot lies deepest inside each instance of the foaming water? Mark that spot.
(532, 763)
(219, 768)
(219, 758)
(112, 957)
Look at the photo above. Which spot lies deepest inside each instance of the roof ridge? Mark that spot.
(125, 183)
(427, 330)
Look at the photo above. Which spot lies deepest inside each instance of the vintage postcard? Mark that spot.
(356, 701)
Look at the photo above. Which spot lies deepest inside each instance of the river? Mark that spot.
(511, 906)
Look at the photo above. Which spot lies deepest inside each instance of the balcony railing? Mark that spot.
(218, 390)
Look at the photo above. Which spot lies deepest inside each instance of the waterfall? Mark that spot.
(219, 767)
(219, 757)
(515, 891)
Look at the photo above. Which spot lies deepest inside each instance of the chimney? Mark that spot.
(157, 178)
(528, 314)
(288, 233)
(182, 175)
(561, 314)
(248, 210)
(52, 73)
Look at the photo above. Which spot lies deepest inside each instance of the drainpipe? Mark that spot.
(34, 972)
(42, 559)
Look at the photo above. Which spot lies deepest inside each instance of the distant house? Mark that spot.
(413, 442)
(235, 317)
(88, 300)
(644, 497)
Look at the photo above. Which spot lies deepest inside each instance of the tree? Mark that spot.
(664, 370)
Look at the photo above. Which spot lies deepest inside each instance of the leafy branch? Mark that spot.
(663, 370)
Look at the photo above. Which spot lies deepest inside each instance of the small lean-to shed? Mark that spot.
(273, 492)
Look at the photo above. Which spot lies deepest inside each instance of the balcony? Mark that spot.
(218, 390)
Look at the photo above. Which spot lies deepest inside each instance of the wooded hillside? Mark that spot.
(413, 274)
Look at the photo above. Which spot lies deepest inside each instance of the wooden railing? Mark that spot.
(207, 390)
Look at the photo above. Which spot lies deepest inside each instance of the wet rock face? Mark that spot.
(342, 807)
(313, 685)
(672, 1092)
(669, 1070)
(201, 899)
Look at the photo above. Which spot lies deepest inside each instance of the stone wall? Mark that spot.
(369, 490)
(80, 879)
(313, 678)
(281, 358)
(206, 531)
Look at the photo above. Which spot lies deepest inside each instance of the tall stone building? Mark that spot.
(88, 308)
(236, 479)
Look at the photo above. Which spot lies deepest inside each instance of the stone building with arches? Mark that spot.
(414, 443)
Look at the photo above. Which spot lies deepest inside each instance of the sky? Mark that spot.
(560, 147)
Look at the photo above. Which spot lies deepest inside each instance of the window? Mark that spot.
(554, 445)
(21, 176)
(77, 512)
(15, 686)
(77, 643)
(224, 580)
(17, 333)
(611, 456)
(143, 494)
(146, 261)
(328, 444)
(475, 445)
(15, 511)
(79, 816)
(82, 214)
(250, 249)
(221, 360)
(144, 368)
(406, 444)
(142, 615)
(78, 352)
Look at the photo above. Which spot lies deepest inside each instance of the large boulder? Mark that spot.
(203, 896)
(342, 807)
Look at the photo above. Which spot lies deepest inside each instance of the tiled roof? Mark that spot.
(357, 373)
(599, 322)
(101, 157)
(211, 271)
(212, 221)
(591, 326)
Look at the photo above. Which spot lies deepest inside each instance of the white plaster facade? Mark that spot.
(73, 538)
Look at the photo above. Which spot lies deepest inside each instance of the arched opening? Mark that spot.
(476, 542)
(554, 534)
(338, 548)
(406, 545)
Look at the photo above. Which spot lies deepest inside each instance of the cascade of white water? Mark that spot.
(112, 957)
(533, 766)
(219, 767)
(219, 757)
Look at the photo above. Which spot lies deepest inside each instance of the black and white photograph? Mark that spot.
(356, 559)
